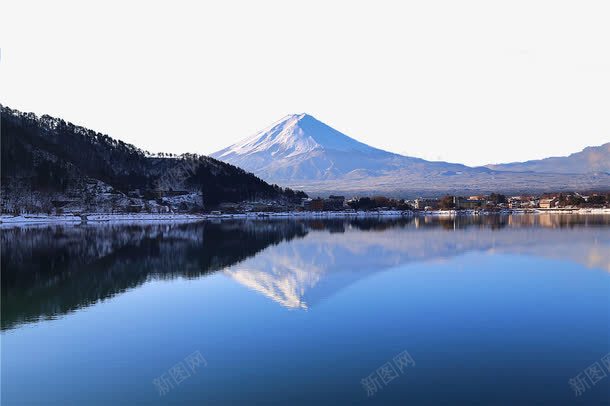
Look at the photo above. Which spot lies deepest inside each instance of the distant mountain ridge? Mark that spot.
(589, 160)
(302, 152)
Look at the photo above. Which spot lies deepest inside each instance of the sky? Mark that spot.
(473, 82)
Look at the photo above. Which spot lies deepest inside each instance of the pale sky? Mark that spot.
(473, 82)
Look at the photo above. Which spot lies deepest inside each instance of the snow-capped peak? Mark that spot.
(294, 134)
(300, 147)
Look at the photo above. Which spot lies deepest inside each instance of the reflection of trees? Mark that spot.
(51, 271)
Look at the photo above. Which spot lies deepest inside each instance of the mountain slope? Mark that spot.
(304, 153)
(589, 160)
(48, 162)
(299, 147)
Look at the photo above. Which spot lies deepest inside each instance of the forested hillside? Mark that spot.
(49, 164)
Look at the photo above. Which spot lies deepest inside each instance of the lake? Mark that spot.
(431, 310)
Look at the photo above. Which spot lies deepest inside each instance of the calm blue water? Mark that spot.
(490, 310)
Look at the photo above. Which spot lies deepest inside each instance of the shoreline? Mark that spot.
(139, 218)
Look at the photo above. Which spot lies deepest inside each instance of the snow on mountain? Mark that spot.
(304, 153)
(292, 135)
(299, 147)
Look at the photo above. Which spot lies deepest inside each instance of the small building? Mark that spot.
(426, 204)
(468, 204)
(515, 203)
(548, 203)
(314, 204)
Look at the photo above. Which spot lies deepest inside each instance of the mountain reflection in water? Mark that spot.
(51, 271)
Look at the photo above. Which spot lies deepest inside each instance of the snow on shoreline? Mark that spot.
(33, 219)
(27, 219)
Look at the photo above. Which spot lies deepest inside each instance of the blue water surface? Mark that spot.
(494, 311)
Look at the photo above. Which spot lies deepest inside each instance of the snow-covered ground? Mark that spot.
(26, 219)
(578, 211)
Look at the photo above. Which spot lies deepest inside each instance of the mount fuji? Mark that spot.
(301, 152)
(300, 148)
